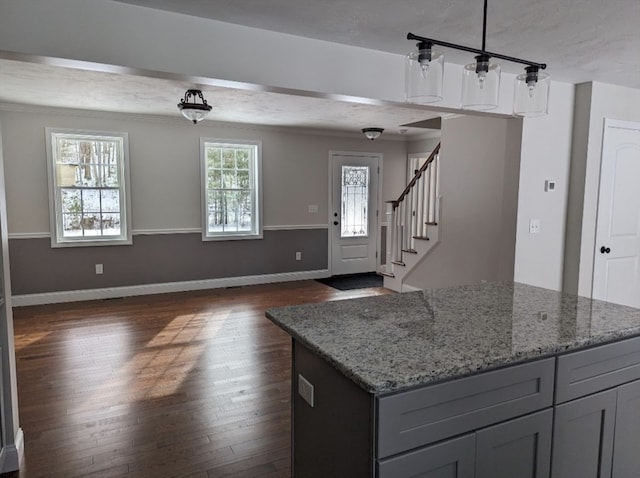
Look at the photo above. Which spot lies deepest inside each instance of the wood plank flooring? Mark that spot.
(175, 385)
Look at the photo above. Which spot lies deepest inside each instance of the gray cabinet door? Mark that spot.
(450, 459)
(626, 456)
(583, 437)
(517, 448)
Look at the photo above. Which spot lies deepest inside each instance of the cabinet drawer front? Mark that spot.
(451, 459)
(418, 417)
(590, 371)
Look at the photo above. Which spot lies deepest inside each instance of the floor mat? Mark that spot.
(353, 281)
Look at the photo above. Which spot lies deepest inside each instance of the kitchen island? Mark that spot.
(470, 381)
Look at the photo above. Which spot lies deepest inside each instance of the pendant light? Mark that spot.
(531, 93)
(480, 84)
(192, 109)
(424, 74)
(480, 80)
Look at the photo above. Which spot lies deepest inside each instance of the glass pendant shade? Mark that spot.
(424, 72)
(480, 84)
(194, 115)
(531, 94)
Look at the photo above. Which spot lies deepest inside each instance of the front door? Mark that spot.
(616, 272)
(353, 222)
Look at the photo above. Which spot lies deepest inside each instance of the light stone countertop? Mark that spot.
(393, 342)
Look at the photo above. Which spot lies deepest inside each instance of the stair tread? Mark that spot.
(386, 274)
(422, 238)
(410, 251)
(431, 223)
(399, 263)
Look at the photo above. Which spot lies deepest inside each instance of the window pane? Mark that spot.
(111, 224)
(228, 178)
(91, 224)
(243, 179)
(355, 201)
(110, 200)
(71, 225)
(71, 201)
(242, 158)
(91, 200)
(228, 159)
(213, 158)
(214, 179)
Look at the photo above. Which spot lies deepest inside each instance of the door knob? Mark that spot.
(335, 223)
(605, 250)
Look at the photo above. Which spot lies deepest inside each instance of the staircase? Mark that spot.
(412, 224)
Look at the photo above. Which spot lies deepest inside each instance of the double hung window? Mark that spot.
(88, 185)
(231, 191)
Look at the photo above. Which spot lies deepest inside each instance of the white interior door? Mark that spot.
(353, 222)
(616, 272)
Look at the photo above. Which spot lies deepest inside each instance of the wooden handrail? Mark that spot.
(417, 176)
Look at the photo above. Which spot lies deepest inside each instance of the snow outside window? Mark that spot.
(231, 189)
(88, 186)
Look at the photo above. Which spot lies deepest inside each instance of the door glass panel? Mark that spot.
(355, 199)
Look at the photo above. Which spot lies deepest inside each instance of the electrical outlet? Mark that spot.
(305, 389)
(298, 256)
(534, 226)
(99, 269)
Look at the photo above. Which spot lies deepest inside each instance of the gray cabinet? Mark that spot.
(626, 459)
(517, 448)
(583, 437)
(597, 421)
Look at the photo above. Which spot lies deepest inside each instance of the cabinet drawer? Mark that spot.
(451, 459)
(593, 370)
(418, 417)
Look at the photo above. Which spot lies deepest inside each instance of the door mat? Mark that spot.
(353, 281)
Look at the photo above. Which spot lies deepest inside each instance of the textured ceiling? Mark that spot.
(92, 90)
(580, 40)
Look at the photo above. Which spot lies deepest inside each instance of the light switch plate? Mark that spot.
(305, 389)
(549, 185)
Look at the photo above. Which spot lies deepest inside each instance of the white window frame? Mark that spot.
(255, 175)
(55, 205)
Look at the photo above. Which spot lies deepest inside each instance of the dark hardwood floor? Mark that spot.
(189, 384)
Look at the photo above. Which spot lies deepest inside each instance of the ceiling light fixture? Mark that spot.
(372, 133)
(191, 109)
(480, 80)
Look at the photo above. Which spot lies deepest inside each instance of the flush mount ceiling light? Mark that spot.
(480, 79)
(372, 133)
(192, 109)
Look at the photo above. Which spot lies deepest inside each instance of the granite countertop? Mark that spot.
(392, 342)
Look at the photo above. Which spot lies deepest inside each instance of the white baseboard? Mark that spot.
(11, 455)
(148, 289)
(409, 288)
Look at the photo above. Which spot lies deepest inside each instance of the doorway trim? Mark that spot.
(377, 222)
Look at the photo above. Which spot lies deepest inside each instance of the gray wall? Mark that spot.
(161, 258)
(165, 196)
(478, 182)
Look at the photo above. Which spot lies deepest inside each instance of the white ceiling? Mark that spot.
(580, 40)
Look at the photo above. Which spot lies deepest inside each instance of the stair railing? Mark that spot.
(415, 210)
